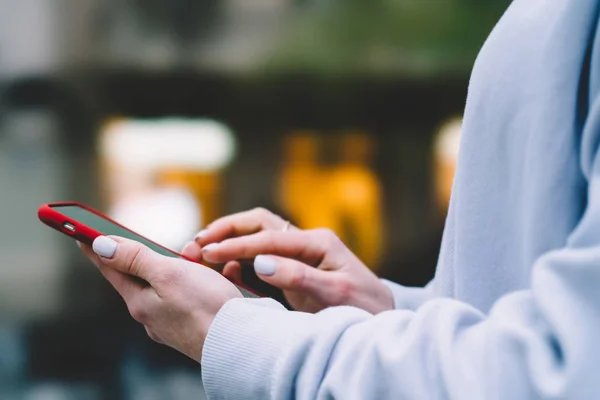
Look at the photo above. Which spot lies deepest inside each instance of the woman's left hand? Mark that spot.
(176, 300)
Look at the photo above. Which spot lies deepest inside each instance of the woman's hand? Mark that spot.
(176, 300)
(314, 268)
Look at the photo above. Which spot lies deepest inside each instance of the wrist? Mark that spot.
(387, 297)
(198, 338)
(206, 322)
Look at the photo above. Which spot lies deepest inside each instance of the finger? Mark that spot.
(233, 271)
(304, 246)
(193, 251)
(133, 258)
(153, 335)
(139, 297)
(124, 284)
(239, 224)
(288, 274)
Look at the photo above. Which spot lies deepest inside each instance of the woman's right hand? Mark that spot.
(314, 268)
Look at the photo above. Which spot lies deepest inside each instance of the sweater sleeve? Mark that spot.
(537, 343)
(409, 298)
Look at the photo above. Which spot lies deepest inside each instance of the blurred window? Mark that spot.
(162, 178)
(344, 195)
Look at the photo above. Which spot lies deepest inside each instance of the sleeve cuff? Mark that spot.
(407, 298)
(231, 367)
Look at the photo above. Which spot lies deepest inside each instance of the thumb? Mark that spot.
(289, 274)
(129, 257)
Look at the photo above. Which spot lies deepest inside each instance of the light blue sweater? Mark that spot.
(514, 309)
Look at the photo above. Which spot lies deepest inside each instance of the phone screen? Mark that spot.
(109, 228)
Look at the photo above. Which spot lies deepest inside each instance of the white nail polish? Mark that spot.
(211, 246)
(78, 243)
(104, 246)
(264, 265)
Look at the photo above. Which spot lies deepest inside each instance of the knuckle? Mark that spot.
(297, 278)
(266, 218)
(261, 213)
(138, 313)
(134, 263)
(328, 237)
(269, 238)
(344, 290)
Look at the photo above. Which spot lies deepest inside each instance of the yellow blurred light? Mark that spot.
(446, 149)
(161, 176)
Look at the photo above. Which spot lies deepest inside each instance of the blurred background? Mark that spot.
(166, 114)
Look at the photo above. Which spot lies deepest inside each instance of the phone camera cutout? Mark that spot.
(69, 226)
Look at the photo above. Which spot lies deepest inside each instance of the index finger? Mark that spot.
(305, 246)
(239, 224)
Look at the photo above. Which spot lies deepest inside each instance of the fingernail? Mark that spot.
(78, 243)
(211, 246)
(200, 234)
(265, 265)
(104, 246)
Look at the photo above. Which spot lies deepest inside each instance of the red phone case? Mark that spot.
(85, 234)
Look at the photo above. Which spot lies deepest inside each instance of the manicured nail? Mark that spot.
(78, 243)
(211, 246)
(265, 265)
(104, 246)
(200, 234)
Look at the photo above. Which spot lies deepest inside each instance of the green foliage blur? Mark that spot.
(386, 37)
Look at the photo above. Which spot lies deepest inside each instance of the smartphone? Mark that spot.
(85, 224)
